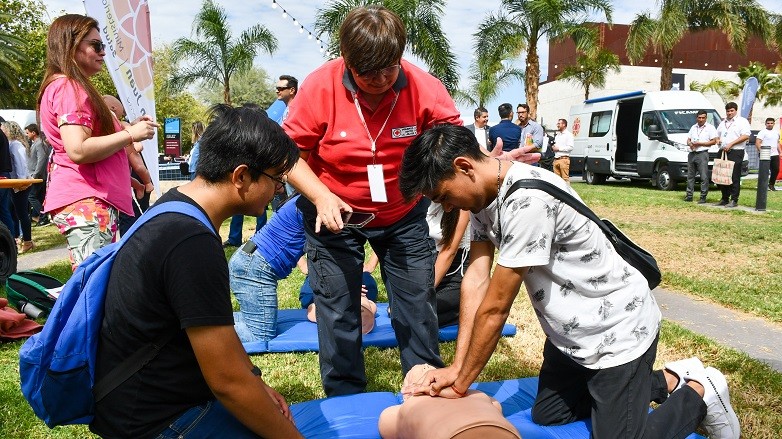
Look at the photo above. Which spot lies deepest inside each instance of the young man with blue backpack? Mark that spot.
(168, 362)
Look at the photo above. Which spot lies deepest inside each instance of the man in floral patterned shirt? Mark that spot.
(601, 321)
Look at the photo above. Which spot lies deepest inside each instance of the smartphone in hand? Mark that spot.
(357, 219)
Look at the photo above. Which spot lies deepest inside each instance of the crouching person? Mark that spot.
(172, 277)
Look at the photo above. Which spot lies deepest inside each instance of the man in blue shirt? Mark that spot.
(509, 132)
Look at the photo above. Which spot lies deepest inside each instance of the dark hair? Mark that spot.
(372, 38)
(524, 106)
(564, 121)
(292, 82)
(33, 128)
(478, 111)
(429, 159)
(770, 119)
(243, 136)
(732, 105)
(62, 41)
(505, 110)
(701, 112)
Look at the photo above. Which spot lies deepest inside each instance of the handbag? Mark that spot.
(722, 171)
(631, 252)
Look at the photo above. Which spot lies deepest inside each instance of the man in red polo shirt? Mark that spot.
(353, 119)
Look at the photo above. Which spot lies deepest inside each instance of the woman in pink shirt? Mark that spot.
(89, 174)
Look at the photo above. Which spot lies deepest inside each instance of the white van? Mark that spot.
(638, 135)
(22, 117)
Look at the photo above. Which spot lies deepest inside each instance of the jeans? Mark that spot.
(209, 420)
(235, 231)
(732, 191)
(616, 398)
(698, 161)
(335, 264)
(35, 197)
(254, 284)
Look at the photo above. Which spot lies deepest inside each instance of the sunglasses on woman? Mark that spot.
(97, 45)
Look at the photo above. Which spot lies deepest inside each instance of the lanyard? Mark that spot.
(364, 123)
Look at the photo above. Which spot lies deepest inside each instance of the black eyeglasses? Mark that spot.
(278, 182)
(372, 74)
(97, 45)
(283, 88)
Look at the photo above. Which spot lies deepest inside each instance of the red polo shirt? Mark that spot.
(323, 121)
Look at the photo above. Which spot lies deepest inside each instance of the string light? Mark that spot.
(302, 29)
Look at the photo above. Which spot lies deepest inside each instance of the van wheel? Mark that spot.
(593, 178)
(663, 179)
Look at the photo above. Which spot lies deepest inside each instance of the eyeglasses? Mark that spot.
(521, 112)
(283, 88)
(97, 45)
(374, 74)
(278, 182)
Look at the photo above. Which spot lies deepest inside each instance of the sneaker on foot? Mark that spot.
(702, 200)
(687, 367)
(732, 204)
(722, 203)
(229, 244)
(721, 421)
(688, 198)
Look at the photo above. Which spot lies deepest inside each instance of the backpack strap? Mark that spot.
(141, 357)
(556, 192)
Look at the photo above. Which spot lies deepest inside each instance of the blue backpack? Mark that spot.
(57, 365)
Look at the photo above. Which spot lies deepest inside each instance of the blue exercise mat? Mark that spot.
(356, 416)
(297, 334)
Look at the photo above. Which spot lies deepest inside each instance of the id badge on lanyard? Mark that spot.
(377, 182)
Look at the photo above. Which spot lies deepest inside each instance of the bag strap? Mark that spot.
(141, 357)
(551, 189)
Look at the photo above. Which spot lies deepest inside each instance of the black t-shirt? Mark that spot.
(170, 275)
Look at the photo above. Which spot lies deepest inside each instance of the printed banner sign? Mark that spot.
(124, 28)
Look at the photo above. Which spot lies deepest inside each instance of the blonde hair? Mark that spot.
(15, 133)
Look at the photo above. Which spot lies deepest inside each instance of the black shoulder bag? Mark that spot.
(636, 256)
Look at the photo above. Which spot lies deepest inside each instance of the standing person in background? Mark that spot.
(733, 134)
(506, 130)
(532, 133)
(6, 166)
(20, 151)
(352, 121)
(286, 87)
(563, 145)
(36, 167)
(197, 131)
(702, 135)
(770, 137)
(88, 181)
(481, 127)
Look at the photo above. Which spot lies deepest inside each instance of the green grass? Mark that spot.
(729, 257)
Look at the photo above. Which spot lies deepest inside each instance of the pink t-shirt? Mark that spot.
(66, 103)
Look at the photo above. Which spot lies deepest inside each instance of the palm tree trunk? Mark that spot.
(227, 91)
(586, 91)
(666, 70)
(532, 76)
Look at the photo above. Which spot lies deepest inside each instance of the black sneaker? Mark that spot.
(722, 203)
(229, 244)
(687, 198)
(732, 204)
(702, 200)
(44, 221)
(772, 188)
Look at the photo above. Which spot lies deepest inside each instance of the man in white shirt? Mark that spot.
(770, 137)
(563, 145)
(702, 136)
(733, 133)
(481, 127)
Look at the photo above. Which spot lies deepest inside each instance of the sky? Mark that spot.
(297, 55)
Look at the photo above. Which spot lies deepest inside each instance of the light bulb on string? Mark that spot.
(295, 22)
(274, 4)
(309, 37)
(301, 30)
(284, 14)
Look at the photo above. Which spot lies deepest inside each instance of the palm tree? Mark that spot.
(425, 37)
(521, 24)
(769, 85)
(213, 56)
(9, 54)
(738, 20)
(591, 71)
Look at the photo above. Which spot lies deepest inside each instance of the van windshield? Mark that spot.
(680, 121)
